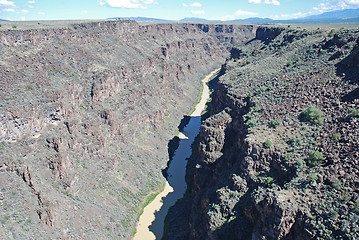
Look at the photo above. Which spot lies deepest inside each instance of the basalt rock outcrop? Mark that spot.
(277, 155)
(86, 112)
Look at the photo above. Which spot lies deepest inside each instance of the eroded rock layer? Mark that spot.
(277, 155)
(86, 113)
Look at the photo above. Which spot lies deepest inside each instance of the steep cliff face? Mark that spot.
(277, 155)
(86, 114)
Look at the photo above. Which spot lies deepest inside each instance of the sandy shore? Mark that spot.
(187, 137)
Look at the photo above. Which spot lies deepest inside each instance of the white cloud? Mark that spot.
(128, 3)
(337, 5)
(255, 1)
(31, 2)
(41, 13)
(23, 18)
(293, 15)
(198, 12)
(196, 4)
(269, 2)
(350, 2)
(272, 2)
(226, 18)
(324, 7)
(85, 11)
(239, 14)
(334, 5)
(30, 6)
(6, 3)
(24, 11)
(7, 6)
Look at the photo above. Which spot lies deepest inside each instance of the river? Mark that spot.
(151, 222)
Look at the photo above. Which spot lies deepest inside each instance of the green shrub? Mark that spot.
(336, 183)
(354, 112)
(337, 136)
(290, 63)
(315, 158)
(251, 123)
(269, 181)
(274, 123)
(255, 108)
(267, 144)
(313, 115)
(300, 165)
(356, 206)
(293, 141)
(334, 214)
(14, 27)
(261, 90)
(0, 25)
(313, 177)
(346, 196)
(331, 33)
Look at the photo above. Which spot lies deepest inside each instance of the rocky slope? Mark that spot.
(277, 156)
(86, 112)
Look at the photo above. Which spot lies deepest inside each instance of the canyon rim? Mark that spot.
(88, 109)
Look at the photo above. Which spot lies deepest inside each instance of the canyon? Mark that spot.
(88, 110)
(277, 153)
(151, 222)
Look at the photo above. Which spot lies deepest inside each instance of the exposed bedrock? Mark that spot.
(86, 113)
(263, 166)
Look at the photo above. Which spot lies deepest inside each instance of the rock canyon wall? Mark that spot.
(86, 113)
(277, 155)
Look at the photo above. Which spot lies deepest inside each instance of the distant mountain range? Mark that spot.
(146, 19)
(193, 19)
(142, 19)
(348, 15)
(340, 16)
(254, 20)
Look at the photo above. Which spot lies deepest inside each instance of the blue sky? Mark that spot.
(167, 9)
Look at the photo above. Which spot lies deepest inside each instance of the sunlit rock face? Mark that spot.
(277, 154)
(86, 113)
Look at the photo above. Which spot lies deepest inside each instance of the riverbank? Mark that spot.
(151, 222)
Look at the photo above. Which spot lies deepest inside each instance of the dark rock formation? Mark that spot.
(260, 171)
(86, 112)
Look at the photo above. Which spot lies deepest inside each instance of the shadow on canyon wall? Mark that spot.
(349, 69)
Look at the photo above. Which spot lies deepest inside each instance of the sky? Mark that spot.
(23, 10)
